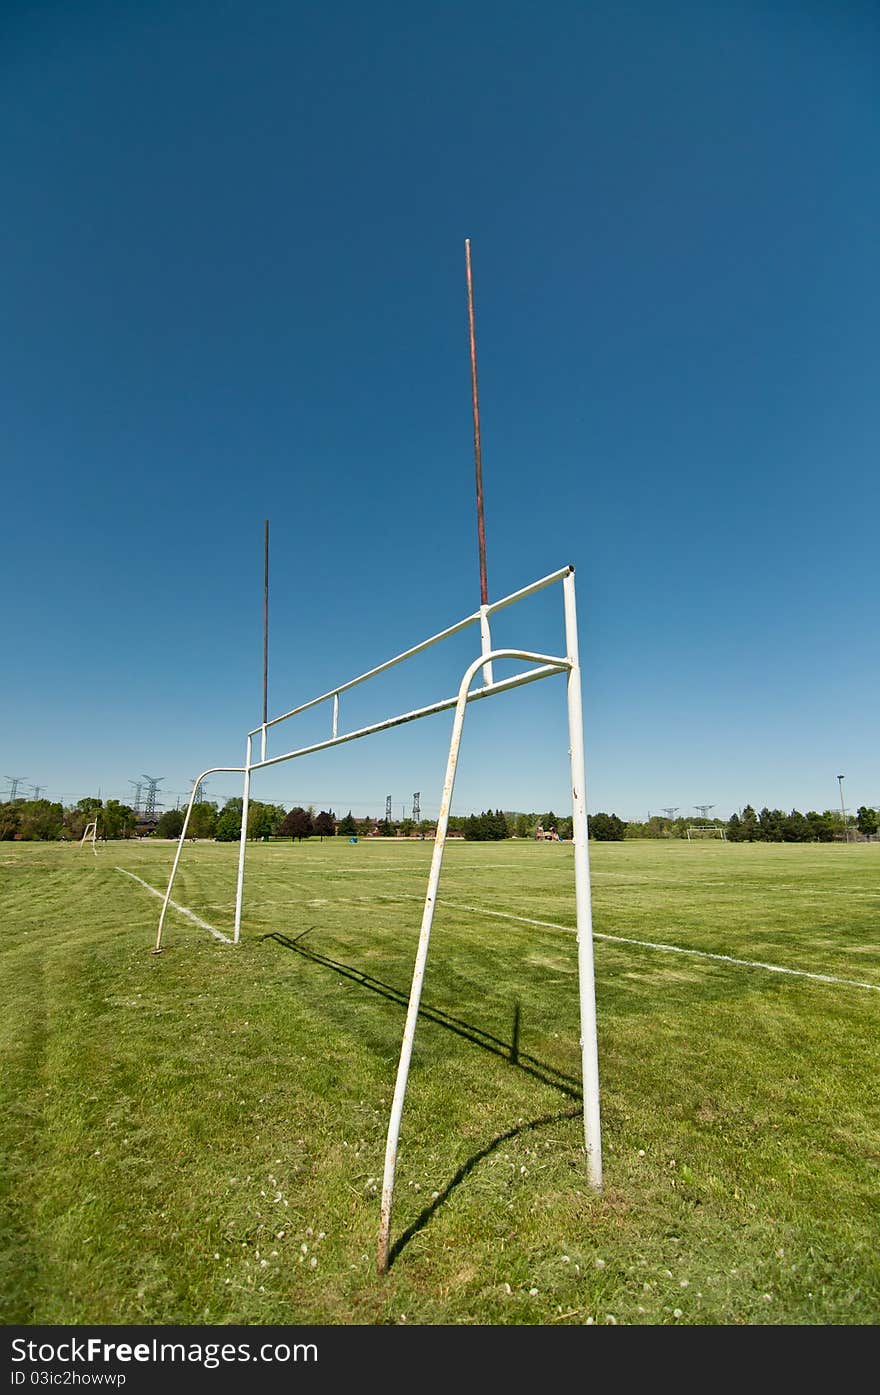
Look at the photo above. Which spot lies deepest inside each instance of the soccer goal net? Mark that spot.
(698, 831)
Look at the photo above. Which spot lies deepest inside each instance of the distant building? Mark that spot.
(548, 835)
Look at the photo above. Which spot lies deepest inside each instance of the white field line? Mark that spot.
(203, 924)
(671, 949)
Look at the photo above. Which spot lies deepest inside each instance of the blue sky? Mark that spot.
(232, 275)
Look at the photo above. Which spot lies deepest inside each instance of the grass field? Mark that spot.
(198, 1137)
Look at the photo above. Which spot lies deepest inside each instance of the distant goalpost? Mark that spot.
(90, 833)
(541, 666)
(697, 831)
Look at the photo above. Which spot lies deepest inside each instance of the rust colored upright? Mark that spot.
(478, 458)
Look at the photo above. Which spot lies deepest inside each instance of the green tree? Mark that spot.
(473, 829)
(795, 828)
(347, 826)
(488, 827)
(10, 818)
(325, 824)
(822, 826)
(203, 821)
(170, 824)
(39, 819)
(734, 828)
(866, 820)
(117, 820)
(607, 828)
(751, 829)
(770, 822)
(261, 823)
(229, 822)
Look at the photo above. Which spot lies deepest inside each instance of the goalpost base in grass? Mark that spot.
(544, 666)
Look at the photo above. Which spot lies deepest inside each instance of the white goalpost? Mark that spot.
(90, 833)
(541, 666)
(697, 831)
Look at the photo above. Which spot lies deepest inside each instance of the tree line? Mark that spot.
(767, 826)
(44, 820)
(32, 820)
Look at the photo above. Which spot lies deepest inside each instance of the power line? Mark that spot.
(14, 782)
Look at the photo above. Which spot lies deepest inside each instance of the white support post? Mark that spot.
(245, 801)
(580, 838)
(415, 995)
(486, 643)
(546, 665)
(418, 977)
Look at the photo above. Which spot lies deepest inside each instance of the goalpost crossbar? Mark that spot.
(545, 666)
(455, 629)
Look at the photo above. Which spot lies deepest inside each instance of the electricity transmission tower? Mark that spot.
(416, 807)
(388, 808)
(704, 809)
(14, 781)
(670, 810)
(138, 787)
(153, 782)
(38, 790)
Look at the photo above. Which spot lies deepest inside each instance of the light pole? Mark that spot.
(843, 809)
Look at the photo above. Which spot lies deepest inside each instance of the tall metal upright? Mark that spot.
(670, 810)
(265, 640)
(583, 894)
(704, 809)
(843, 809)
(248, 751)
(38, 790)
(388, 808)
(416, 807)
(485, 635)
(14, 782)
(138, 787)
